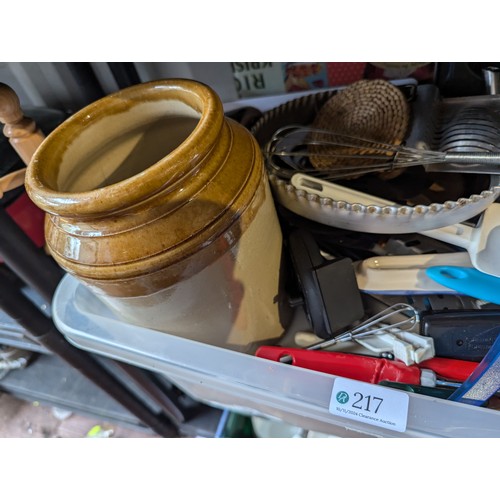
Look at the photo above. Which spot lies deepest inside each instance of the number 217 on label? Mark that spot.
(369, 403)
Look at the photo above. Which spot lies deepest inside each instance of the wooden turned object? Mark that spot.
(22, 132)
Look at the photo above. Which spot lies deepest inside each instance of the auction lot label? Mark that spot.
(370, 403)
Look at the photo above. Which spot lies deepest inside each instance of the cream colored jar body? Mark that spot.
(161, 205)
(233, 302)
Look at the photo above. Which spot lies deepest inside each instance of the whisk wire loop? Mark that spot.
(331, 155)
(376, 324)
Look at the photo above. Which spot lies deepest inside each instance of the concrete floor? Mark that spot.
(22, 419)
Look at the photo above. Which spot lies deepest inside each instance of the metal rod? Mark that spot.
(491, 76)
(155, 392)
(479, 158)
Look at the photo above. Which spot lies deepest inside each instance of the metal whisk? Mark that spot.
(330, 155)
(374, 325)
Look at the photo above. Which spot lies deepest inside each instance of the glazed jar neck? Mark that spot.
(197, 199)
(129, 147)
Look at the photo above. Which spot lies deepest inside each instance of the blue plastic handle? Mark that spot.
(468, 281)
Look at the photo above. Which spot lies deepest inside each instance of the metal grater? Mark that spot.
(464, 124)
(468, 125)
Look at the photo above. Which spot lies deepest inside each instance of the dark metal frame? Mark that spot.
(37, 270)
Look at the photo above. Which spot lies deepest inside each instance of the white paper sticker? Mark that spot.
(370, 403)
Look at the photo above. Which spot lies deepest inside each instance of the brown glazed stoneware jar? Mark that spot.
(161, 205)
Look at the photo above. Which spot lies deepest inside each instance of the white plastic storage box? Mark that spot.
(245, 383)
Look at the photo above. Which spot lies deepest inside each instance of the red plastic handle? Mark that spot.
(452, 369)
(353, 366)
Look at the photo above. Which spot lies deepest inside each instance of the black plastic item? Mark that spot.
(461, 79)
(42, 329)
(125, 74)
(416, 244)
(332, 299)
(170, 399)
(423, 303)
(247, 116)
(443, 302)
(336, 241)
(87, 80)
(466, 334)
(407, 185)
(434, 392)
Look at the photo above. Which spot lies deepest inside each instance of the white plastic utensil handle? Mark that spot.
(421, 261)
(405, 274)
(456, 234)
(408, 347)
(335, 191)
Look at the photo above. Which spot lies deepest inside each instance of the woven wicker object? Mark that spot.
(369, 109)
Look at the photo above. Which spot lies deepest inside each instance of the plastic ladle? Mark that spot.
(481, 242)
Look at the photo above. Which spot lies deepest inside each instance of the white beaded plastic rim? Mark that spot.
(382, 219)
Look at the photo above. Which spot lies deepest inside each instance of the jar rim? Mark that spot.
(135, 189)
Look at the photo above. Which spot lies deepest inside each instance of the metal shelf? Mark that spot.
(51, 381)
